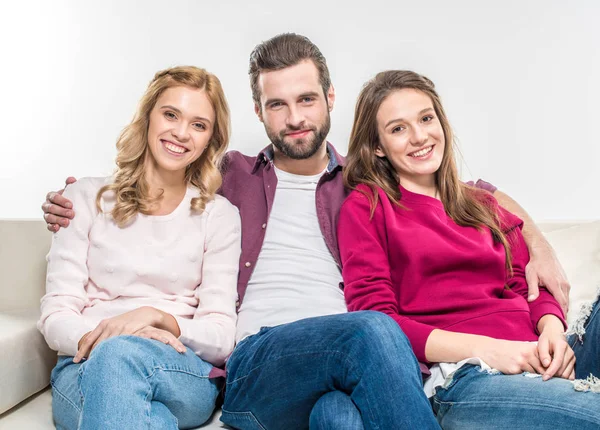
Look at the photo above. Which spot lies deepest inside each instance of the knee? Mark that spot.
(379, 331)
(335, 410)
(119, 350)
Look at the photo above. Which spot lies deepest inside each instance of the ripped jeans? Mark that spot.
(476, 399)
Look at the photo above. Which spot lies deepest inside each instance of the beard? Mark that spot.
(300, 149)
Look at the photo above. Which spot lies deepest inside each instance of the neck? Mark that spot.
(307, 167)
(171, 182)
(421, 184)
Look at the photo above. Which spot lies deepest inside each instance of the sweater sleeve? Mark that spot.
(546, 303)
(366, 270)
(211, 331)
(61, 322)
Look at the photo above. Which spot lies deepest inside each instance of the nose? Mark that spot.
(295, 119)
(180, 131)
(419, 136)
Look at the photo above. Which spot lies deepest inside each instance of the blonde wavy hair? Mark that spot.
(466, 205)
(130, 187)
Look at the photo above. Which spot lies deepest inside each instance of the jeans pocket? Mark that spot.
(241, 420)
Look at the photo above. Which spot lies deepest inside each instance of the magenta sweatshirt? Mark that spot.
(426, 272)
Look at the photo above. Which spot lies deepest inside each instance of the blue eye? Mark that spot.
(170, 115)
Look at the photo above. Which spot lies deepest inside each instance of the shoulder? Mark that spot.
(236, 160)
(363, 195)
(220, 207)
(359, 202)
(86, 188)
(506, 219)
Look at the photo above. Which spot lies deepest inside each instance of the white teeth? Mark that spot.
(175, 148)
(422, 152)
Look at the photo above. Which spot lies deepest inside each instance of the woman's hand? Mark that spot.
(129, 323)
(554, 351)
(510, 357)
(163, 336)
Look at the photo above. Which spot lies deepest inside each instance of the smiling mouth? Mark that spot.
(172, 147)
(299, 133)
(422, 152)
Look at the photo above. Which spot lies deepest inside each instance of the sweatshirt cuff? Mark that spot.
(417, 334)
(545, 307)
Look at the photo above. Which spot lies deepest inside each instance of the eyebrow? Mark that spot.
(179, 112)
(402, 119)
(308, 94)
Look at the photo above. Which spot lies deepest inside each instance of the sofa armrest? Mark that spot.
(25, 244)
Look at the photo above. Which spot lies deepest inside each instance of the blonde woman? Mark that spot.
(141, 288)
(448, 265)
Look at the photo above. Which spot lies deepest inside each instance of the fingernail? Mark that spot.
(68, 205)
(69, 213)
(531, 298)
(546, 362)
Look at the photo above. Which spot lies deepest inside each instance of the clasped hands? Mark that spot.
(550, 357)
(146, 321)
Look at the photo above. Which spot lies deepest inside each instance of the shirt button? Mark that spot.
(264, 225)
(237, 303)
(109, 269)
(247, 264)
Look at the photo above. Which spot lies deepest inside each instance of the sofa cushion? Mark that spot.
(25, 359)
(578, 250)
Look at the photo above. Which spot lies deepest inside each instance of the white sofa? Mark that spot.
(26, 361)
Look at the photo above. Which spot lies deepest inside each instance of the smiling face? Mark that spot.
(180, 127)
(294, 110)
(410, 136)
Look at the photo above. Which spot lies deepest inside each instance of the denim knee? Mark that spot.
(335, 410)
(379, 330)
(118, 347)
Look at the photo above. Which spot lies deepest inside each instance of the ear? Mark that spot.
(258, 112)
(379, 152)
(330, 97)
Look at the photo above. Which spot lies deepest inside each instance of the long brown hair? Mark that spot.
(130, 186)
(467, 206)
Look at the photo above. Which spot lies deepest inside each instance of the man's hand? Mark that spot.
(553, 349)
(138, 322)
(544, 270)
(57, 209)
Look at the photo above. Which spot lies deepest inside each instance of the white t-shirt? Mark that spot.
(295, 276)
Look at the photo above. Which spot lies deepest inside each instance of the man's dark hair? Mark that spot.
(285, 50)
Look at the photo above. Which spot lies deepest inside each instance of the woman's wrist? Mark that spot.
(550, 323)
(167, 322)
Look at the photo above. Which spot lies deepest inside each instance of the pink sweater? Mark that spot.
(185, 264)
(426, 272)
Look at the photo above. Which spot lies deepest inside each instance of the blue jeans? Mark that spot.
(347, 371)
(476, 399)
(132, 383)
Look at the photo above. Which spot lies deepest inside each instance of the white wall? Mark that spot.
(520, 81)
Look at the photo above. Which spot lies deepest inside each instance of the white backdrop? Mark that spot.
(520, 81)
